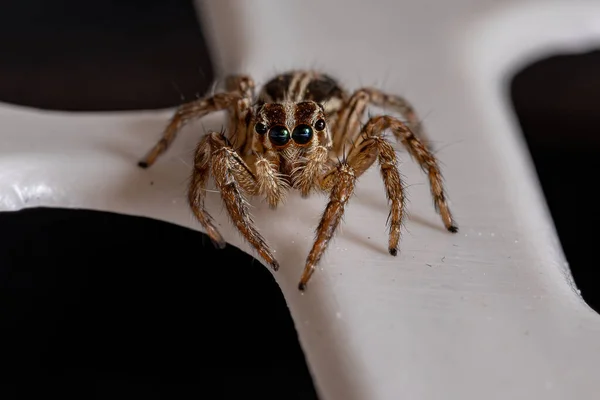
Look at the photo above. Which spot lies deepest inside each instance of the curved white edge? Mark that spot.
(489, 313)
(498, 46)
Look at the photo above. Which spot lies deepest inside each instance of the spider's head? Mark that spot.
(280, 125)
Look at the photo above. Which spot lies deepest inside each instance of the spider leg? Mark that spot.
(240, 111)
(375, 128)
(343, 180)
(233, 178)
(404, 108)
(184, 114)
(347, 126)
(197, 191)
(371, 146)
(361, 157)
(243, 84)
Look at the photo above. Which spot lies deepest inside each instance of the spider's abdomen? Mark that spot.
(298, 86)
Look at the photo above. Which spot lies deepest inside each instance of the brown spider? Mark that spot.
(291, 137)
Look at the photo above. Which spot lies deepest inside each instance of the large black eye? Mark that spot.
(320, 125)
(302, 134)
(261, 129)
(279, 135)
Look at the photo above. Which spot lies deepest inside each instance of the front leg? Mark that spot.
(232, 177)
(341, 182)
(343, 179)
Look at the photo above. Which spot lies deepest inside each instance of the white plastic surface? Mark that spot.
(488, 313)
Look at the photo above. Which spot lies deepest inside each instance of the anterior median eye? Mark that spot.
(302, 134)
(279, 135)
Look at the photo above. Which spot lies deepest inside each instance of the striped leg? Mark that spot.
(375, 128)
(239, 132)
(237, 99)
(234, 180)
(349, 118)
(341, 181)
(184, 114)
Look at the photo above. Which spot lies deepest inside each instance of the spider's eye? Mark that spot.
(320, 125)
(302, 134)
(261, 129)
(279, 135)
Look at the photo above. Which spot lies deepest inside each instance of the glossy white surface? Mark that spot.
(488, 313)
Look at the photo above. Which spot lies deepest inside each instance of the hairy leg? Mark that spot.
(404, 108)
(367, 149)
(233, 178)
(377, 125)
(197, 191)
(372, 146)
(184, 114)
(239, 113)
(343, 180)
(243, 84)
(348, 120)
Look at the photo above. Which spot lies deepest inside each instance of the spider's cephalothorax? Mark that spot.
(293, 135)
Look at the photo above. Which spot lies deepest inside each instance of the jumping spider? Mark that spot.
(291, 136)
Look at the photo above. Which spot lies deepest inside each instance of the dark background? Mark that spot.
(99, 305)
